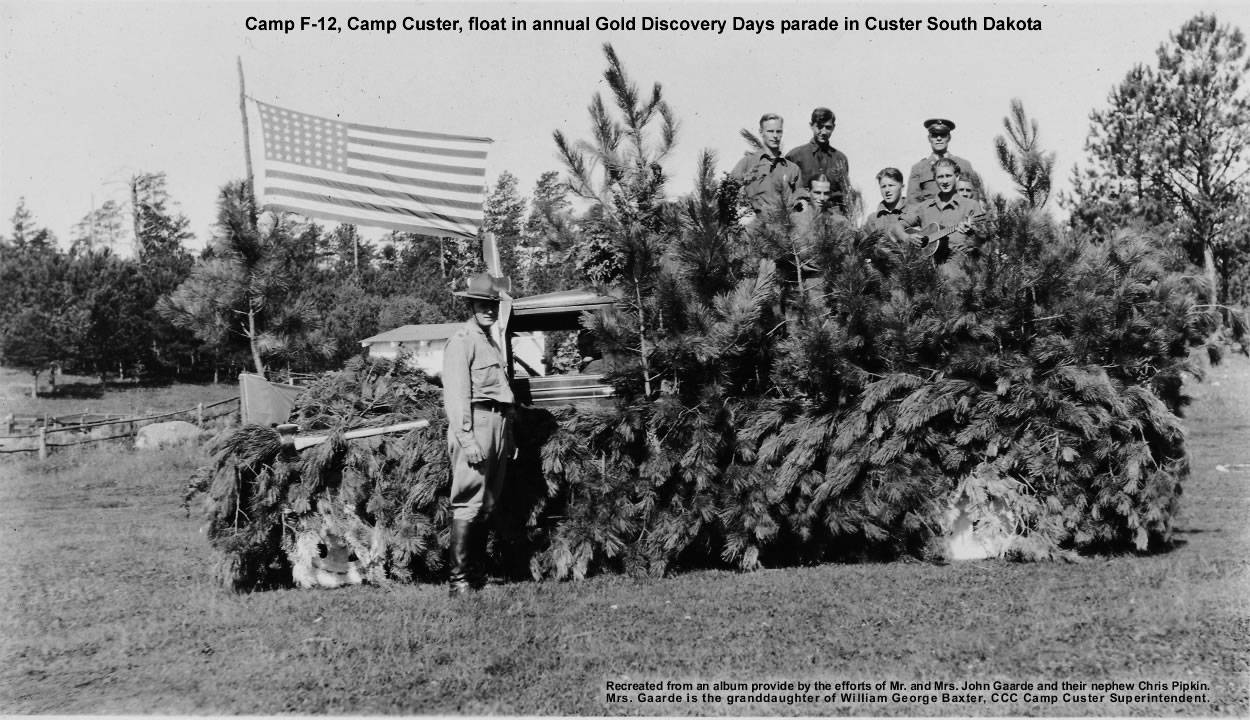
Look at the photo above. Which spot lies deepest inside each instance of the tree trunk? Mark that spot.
(642, 341)
(251, 339)
(1208, 265)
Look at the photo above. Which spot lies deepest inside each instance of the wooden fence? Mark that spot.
(46, 438)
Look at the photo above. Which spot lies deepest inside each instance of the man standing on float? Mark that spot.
(818, 158)
(920, 184)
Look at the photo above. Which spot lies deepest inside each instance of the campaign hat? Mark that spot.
(483, 286)
(939, 126)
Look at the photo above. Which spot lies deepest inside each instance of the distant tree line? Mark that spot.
(268, 292)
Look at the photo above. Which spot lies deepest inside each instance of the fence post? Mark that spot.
(8, 424)
(199, 415)
(43, 443)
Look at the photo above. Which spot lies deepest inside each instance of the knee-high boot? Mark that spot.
(477, 554)
(459, 551)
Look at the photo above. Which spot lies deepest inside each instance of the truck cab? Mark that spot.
(527, 318)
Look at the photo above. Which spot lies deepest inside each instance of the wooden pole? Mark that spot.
(199, 415)
(134, 216)
(43, 443)
(490, 254)
(247, 145)
(286, 432)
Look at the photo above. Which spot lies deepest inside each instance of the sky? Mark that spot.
(93, 93)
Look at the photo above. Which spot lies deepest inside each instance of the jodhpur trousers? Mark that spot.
(476, 488)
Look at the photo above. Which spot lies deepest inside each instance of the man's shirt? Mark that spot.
(816, 160)
(883, 217)
(920, 183)
(763, 175)
(946, 214)
(473, 371)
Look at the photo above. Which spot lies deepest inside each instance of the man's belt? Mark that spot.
(492, 405)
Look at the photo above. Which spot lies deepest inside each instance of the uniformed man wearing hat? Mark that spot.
(479, 405)
(920, 185)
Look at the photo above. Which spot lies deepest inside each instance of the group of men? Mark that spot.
(942, 197)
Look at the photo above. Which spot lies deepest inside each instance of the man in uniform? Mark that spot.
(890, 181)
(947, 210)
(479, 405)
(818, 158)
(766, 175)
(920, 185)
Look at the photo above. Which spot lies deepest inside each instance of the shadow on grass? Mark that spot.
(77, 391)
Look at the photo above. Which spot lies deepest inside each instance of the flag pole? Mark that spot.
(247, 142)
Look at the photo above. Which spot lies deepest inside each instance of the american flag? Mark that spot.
(408, 180)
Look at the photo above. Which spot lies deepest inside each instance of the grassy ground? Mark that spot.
(109, 608)
(76, 394)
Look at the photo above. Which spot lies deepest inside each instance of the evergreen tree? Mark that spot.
(25, 232)
(159, 231)
(1030, 168)
(505, 213)
(548, 240)
(41, 321)
(1173, 141)
(103, 227)
(244, 289)
(620, 172)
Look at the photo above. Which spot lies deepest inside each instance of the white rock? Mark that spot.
(165, 434)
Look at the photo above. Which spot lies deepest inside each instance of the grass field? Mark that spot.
(76, 394)
(109, 608)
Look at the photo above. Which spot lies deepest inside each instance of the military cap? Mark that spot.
(939, 126)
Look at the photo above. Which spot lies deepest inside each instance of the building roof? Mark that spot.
(414, 333)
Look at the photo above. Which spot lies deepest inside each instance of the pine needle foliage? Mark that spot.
(839, 415)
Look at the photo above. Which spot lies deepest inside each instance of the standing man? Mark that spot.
(766, 175)
(890, 181)
(818, 158)
(920, 185)
(947, 210)
(479, 405)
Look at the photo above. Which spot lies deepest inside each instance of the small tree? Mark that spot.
(620, 172)
(1030, 168)
(243, 289)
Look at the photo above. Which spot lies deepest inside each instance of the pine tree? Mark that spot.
(505, 212)
(1173, 140)
(620, 171)
(1030, 168)
(243, 288)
